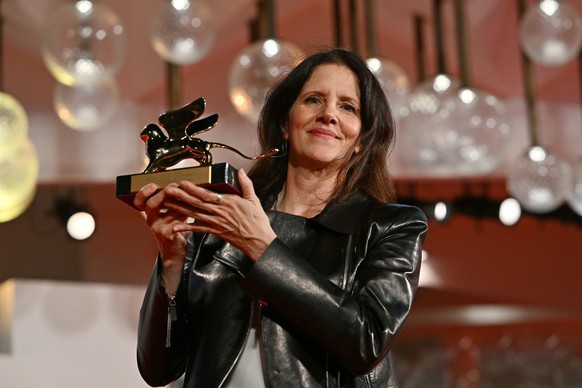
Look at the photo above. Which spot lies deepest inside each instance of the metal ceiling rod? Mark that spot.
(528, 77)
(353, 21)
(371, 29)
(438, 33)
(462, 43)
(263, 26)
(173, 85)
(337, 19)
(419, 48)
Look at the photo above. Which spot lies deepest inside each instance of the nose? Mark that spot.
(328, 114)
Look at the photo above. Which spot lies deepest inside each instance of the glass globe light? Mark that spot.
(256, 69)
(574, 193)
(394, 81)
(183, 31)
(474, 131)
(13, 126)
(83, 43)
(550, 33)
(538, 180)
(18, 177)
(419, 139)
(88, 106)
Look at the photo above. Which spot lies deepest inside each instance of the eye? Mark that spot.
(312, 99)
(349, 107)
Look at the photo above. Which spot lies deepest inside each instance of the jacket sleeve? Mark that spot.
(358, 325)
(160, 362)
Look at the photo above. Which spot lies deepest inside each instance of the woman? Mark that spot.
(305, 279)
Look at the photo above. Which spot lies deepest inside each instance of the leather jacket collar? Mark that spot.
(338, 217)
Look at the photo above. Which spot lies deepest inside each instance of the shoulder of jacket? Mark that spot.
(395, 212)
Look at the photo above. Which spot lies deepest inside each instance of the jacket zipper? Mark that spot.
(172, 317)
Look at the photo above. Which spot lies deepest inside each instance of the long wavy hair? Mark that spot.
(364, 172)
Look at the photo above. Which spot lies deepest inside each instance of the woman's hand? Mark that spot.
(238, 220)
(161, 221)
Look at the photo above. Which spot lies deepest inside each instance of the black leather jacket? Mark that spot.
(334, 291)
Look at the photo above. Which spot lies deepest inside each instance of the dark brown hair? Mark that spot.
(364, 172)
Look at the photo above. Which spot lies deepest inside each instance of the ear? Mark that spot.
(285, 135)
(357, 149)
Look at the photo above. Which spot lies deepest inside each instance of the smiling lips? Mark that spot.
(323, 133)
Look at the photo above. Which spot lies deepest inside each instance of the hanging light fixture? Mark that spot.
(538, 179)
(260, 65)
(18, 179)
(18, 158)
(83, 42)
(474, 128)
(183, 31)
(84, 48)
(550, 32)
(392, 77)
(86, 107)
(13, 126)
(418, 135)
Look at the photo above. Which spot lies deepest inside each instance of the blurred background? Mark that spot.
(486, 96)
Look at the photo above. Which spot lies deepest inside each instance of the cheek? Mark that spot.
(297, 122)
(353, 130)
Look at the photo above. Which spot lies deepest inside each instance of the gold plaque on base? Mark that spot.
(219, 177)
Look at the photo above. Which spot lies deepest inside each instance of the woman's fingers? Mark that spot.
(143, 195)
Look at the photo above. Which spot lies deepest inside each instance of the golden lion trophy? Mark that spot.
(176, 142)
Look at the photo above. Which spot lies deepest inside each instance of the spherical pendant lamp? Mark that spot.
(550, 32)
(18, 177)
(13, 126)
(83, 42)
(538, 180)
(183, 31)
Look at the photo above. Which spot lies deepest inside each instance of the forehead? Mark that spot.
(333, 76)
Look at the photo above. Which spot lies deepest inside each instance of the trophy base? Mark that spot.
(220, 178)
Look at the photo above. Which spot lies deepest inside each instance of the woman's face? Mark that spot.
(324, 121)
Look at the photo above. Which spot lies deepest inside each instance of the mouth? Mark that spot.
(323, 133)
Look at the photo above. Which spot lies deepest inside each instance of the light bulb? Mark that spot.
(13, 126)
(441, 211)
(86, 107)
(18, 178)
(551, 33)
(474, 132)
(420, 140)
(183, 31)
(509, 211)
(256, 69)
(538, 180)
(81, 225)
(394, 81)
(83, 43)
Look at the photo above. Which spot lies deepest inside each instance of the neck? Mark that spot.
(306, 192)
